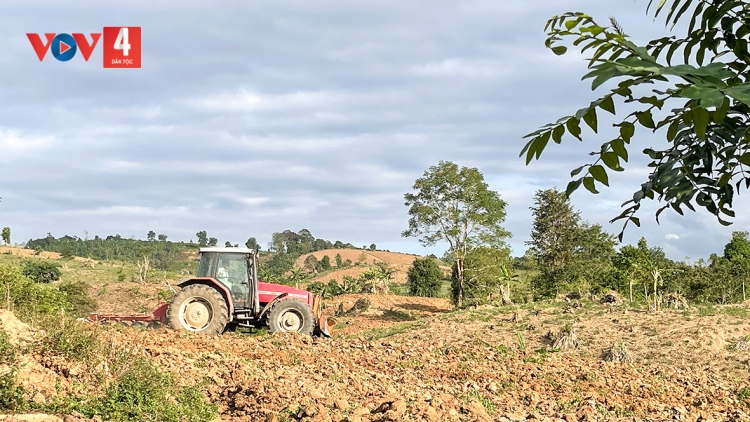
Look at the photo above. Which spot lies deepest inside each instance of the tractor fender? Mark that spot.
(208, 281)
(270, 304)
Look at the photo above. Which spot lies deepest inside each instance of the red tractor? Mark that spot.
(226, 293)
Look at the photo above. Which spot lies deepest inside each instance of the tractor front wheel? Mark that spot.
(291, 316)
(199, 309)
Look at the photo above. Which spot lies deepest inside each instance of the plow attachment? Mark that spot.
(324, 325)
(155, 319)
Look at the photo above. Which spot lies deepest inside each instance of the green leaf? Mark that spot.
(590, 118)
(740, 93)
(572, 187)
(559, 50)
(618, 146)
(700, 121)
(588, 183)
(744, 158)
(599, 174)
(611, 160)
(627, 130)
(574, 127)
(645, 119)
(557, 133)
(571, 24)
(608, 104)
(575, 172)
(672, 130)
(721, 112)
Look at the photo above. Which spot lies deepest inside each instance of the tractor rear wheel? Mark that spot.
(291, 316)
(199, 309)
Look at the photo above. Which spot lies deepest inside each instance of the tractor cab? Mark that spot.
(234, 268)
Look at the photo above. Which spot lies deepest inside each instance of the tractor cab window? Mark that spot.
(205, 267)
(231, 271)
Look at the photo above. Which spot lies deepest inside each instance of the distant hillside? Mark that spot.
(399, 261)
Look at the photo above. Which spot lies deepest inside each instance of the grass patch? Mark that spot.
(383, 332)
(397, 315)
(708, 310)
(738, 311)
(484, 401)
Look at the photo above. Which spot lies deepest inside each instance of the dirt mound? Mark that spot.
(31, 417)
(18, 332)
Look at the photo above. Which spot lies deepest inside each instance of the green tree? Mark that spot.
(373, 247)
(454, 204)
(554, 236)
(227, 244)
(325, 263)
(151, 235)
(484, 275)
(252, 243)
(213, 242)
(42, 271)
(424, 278)
(700, 100)
(202, 238)
(162, 237)
(339, 261)
(737, 252)
(6, 235)
(570, 254)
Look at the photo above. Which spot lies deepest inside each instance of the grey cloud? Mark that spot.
(253, 117)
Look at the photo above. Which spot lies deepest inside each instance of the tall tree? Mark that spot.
(570, 254)
(202, 238)
(213, 241)
(252, 243)
(151, 235)
(162, 237)
(6, 235)
(454, 204)
(700, 100)
(737, 252)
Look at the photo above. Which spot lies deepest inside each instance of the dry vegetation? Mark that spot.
(397, 358)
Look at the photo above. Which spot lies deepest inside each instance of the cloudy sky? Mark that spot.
(253, 117)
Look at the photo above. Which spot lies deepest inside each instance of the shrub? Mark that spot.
(11, 394)
(77, 295)
(66, 252)
(28, 297)
(424, 278)
(145, 393)
(325, 263)
(42, 271)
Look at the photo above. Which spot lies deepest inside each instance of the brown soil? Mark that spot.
(127, 296)
(414, 359)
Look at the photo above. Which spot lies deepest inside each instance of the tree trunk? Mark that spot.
(460, 276)
(631, 290)
(744, 298)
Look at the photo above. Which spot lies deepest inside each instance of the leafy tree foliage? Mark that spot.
(202, 238)
(162, 255)
(737, 253)
(373, 247)
(339, 261)
(42, 271)
(455, 205)
(325, 263)
(227, 244)
(6, 235)
(569, 254)
(484, 275)
(252, 244)
(213, 242)
(162, 237)
(424, 278)
(700, 100)
(151, 235)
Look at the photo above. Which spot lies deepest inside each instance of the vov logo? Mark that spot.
(122, 46)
